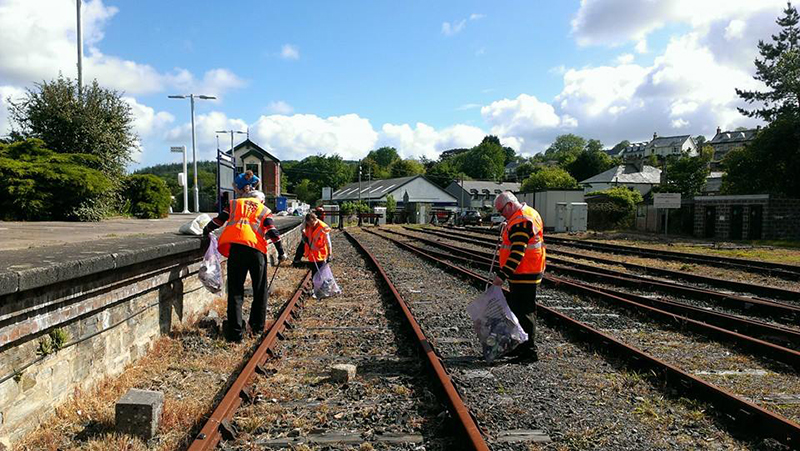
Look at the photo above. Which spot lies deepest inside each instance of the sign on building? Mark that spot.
(667, 200)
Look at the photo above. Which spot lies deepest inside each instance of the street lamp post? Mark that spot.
(194, 144)
(80, 50)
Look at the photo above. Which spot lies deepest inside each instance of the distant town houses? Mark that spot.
(634, 176)
(474, 194)
(724, 142)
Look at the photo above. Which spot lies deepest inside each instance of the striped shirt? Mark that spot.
(520, 235)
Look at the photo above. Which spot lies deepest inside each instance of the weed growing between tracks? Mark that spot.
(191, 366)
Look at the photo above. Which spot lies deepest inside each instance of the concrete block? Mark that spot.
(138, 413)
(9, 282)
(343, 372)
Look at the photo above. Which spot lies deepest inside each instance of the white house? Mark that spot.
(663, 146)
(628, 175)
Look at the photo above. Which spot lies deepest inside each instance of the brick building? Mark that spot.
(752, 217)
(250, 155)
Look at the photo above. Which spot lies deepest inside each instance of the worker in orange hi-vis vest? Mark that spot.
(315, 244)
(247, 225)
(521, 263)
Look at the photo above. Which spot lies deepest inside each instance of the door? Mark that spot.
(756, 222)
(736, 222)
(710, 222)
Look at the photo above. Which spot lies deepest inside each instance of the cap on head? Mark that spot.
(255, 195)
(505, 198)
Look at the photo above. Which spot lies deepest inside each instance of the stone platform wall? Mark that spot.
(110, 311)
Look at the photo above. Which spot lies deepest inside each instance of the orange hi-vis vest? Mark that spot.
(316, 246)
(533, 262)
(245, 226)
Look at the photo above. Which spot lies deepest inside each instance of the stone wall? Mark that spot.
(784, 219)
(110, 316)
(780, 217)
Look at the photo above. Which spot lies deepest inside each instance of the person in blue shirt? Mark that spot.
(246, 182)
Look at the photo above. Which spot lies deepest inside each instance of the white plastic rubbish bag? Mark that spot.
(496, 326)
(324, 283)
(211, 269)
(195, 226)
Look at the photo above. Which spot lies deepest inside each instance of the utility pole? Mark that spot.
(194, 144)
(80, 51)
(359, 181)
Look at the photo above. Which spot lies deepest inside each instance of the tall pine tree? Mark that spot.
(779, 69)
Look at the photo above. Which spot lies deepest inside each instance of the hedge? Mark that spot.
(147, 195)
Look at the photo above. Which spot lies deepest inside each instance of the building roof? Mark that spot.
(734, 137)
(632, 147)
(376, 189)
(247, 142)
(627, 174)
(669, 141)
(492, 187)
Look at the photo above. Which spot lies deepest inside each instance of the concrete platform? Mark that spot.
(35, 254)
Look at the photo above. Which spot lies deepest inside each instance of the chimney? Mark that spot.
(758, 127)
(719, 130)
(655, 135)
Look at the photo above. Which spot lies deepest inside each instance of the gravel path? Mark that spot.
(770, 384)
(579, 399)
(388, 405)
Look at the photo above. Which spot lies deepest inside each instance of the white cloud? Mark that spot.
(641, 46)
(146, 121)
(300, 135)
(424, 140)
(468, 106)
(679, 123)
(280, 107)
(38, 42)
(7, 92)
(449, 29)
(290, 52)
(625, 58)
(526, 121)
(735, 29)
(206, 126)
(475, 16)
(614, 22)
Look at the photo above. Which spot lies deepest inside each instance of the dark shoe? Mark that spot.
(528, 356)
(229, 334)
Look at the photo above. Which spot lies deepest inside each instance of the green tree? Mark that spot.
(700, 140)
(305, 192)
(590, 162)
(565, 149)
(98, 123)
(549, 178)
(391, 207)
(685, 175)
(406, 168)
(37, 183)
(384, 156)
(320, 171)
(443, 173)
(594, 145)
(147, 195)
(620, 146)
(770, 164)
(525, 170)
(485, 161)
(779, 69)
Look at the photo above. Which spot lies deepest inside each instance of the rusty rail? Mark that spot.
(211, 433)
(454, 401)
(758, 420)
(763, 338)
(746, 304)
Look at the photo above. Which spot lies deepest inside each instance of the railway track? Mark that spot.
(788, 312)
(757, 383)
(772, 269)
(391, 401)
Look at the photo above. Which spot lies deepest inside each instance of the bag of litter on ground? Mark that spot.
(210, 273)
(495, 323)
(324, 283)
(195, 226)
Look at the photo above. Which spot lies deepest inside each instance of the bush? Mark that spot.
(38, 184)
(615, 209)
(148, 196)
(549, 178)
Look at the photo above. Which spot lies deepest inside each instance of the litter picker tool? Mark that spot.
(494, 255)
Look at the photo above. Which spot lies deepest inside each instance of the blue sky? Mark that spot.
(346, 77)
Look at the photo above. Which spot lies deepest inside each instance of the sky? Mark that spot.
(310, 77)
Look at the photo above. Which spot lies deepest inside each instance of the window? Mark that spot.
(252, 167)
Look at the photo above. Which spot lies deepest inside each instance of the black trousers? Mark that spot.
(522, 301)
(244, 260)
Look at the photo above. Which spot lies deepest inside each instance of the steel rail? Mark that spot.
(758, 420)
(456, 405)
(762, 338)
(746, 304)
(770, 268)
(211, 433)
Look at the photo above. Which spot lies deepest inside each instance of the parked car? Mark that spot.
(471, 217)
(496, 220)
